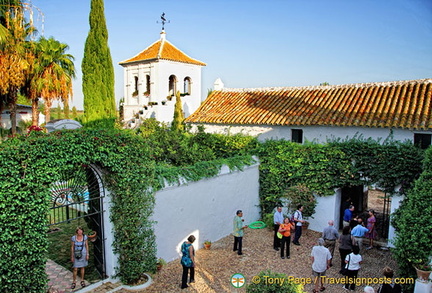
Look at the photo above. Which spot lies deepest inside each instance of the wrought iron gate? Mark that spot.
(79, 195)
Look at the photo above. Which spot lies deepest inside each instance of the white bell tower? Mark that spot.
(154, 76)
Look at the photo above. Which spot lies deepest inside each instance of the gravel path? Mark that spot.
(216, 266)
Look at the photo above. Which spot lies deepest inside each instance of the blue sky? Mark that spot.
(249, 43)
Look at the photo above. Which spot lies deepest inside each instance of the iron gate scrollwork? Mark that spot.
(79, 195)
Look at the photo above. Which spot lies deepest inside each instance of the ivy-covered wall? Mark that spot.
(29, 166)
(137, 165)
(322, 168)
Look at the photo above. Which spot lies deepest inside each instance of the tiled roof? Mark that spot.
(399, 104)
(162, 49)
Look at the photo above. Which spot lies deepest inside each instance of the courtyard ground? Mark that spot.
(216, 266)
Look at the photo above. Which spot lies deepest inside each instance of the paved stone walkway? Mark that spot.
(60, 279)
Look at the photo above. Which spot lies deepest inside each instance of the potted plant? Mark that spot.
(160, 263)
(423, 268)
(207, 244)
(92, 236)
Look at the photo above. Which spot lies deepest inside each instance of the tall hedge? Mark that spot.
(97, 68)
(413, 224)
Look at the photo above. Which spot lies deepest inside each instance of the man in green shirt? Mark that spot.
(238, 232)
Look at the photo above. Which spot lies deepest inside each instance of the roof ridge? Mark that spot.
(313, 87)
(161, 48)
(148, 47)
(181, 51)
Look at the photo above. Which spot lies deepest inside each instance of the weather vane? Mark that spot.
(163, 21)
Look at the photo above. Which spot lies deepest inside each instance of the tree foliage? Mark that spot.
(97, 68)
(413, 224)
(177, 123)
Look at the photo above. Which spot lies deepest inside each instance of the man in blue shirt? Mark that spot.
(358, 233)
(348, 214)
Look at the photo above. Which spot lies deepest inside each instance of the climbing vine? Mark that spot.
(344, 163)
(135, 165)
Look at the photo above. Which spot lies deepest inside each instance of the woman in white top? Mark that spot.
(353, 261)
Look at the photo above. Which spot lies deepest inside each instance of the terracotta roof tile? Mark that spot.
(399, 104)
(162, 49)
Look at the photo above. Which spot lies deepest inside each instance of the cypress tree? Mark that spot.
(177, 123)
(97, 68)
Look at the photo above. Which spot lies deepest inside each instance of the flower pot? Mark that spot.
(423, 276)
(92, 237)
(305, 226)
(207, 246)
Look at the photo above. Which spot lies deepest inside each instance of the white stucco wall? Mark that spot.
(205, 209)
(327, 209)
(395, 203)
(319, 134)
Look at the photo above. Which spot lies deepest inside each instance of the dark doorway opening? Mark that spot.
(352, 195)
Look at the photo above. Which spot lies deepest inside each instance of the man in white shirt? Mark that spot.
(321, 258)
(277, 221)
(298, 219)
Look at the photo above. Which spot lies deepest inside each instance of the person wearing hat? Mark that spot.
(238, 232)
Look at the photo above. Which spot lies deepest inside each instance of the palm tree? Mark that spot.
(14, 55)
(52, 74)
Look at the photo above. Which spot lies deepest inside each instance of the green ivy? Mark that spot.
(132, 170)
(31, 164)
(337, 164)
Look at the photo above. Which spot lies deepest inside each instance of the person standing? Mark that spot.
(353, 261)
(345, 245)
(371, 234)
(238, 232)
(330, 235)
(188, 261)
(285, 230)
(358, 233)
(348, 214)
(298, 220)
(79, 255)
(277, 221)
(321, 259)
(389, 287)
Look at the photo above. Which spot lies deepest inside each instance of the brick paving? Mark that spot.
(60, 279)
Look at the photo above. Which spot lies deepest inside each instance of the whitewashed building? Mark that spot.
(23, 113)
(154, 76)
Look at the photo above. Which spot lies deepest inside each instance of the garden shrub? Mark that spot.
(267, 284)
(413, 224)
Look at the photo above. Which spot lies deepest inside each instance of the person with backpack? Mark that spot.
(298, 220)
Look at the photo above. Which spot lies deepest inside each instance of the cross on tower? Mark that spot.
(164, 20)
